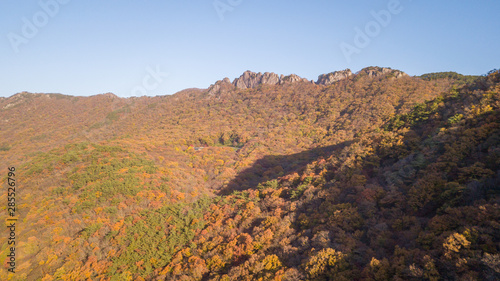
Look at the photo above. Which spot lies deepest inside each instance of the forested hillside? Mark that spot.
(369, 176)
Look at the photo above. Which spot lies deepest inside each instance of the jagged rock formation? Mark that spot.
(330, 78)
(251, 80)
(248, 80)
(270, 78)
(293, 78)
(220, 86)
(375, 71)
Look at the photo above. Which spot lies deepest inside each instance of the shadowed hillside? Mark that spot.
(273, 166)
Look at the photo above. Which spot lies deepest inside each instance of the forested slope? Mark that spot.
(377, 176)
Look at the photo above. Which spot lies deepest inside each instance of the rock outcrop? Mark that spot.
(330, 78)
(270, 78)
(248, 80)
(251, 80)
(220, 86)
(375, 71)
(293, 78)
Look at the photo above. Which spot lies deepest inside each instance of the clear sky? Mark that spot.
(159, 47)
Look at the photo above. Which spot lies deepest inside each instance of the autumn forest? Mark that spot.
(374, 175)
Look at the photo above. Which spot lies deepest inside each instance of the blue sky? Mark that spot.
(159, 47)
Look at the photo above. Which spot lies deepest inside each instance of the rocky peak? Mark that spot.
(375, 71)
(270, 78)
(221, 85)
(330, 78)
(250, 80)
(293, 78)
(247, 80)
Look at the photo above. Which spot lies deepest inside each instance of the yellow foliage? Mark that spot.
(215, 263)
(455, 241)
(270, 221)
(180, 196)
(271, 262)
(47, 277)
(123, 170)
(118, 225)
(51, 258)
(177, 269)
(57, 230)
(374, 263)
(324, 259)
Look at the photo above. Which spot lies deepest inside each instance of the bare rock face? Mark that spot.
(400, 74)
(251, 79)
(330, 78)
(248, 80)
(375, 71)
(270, 78)
(220, 86)
(293, 78)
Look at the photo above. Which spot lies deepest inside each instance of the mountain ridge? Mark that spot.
(251, 79)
